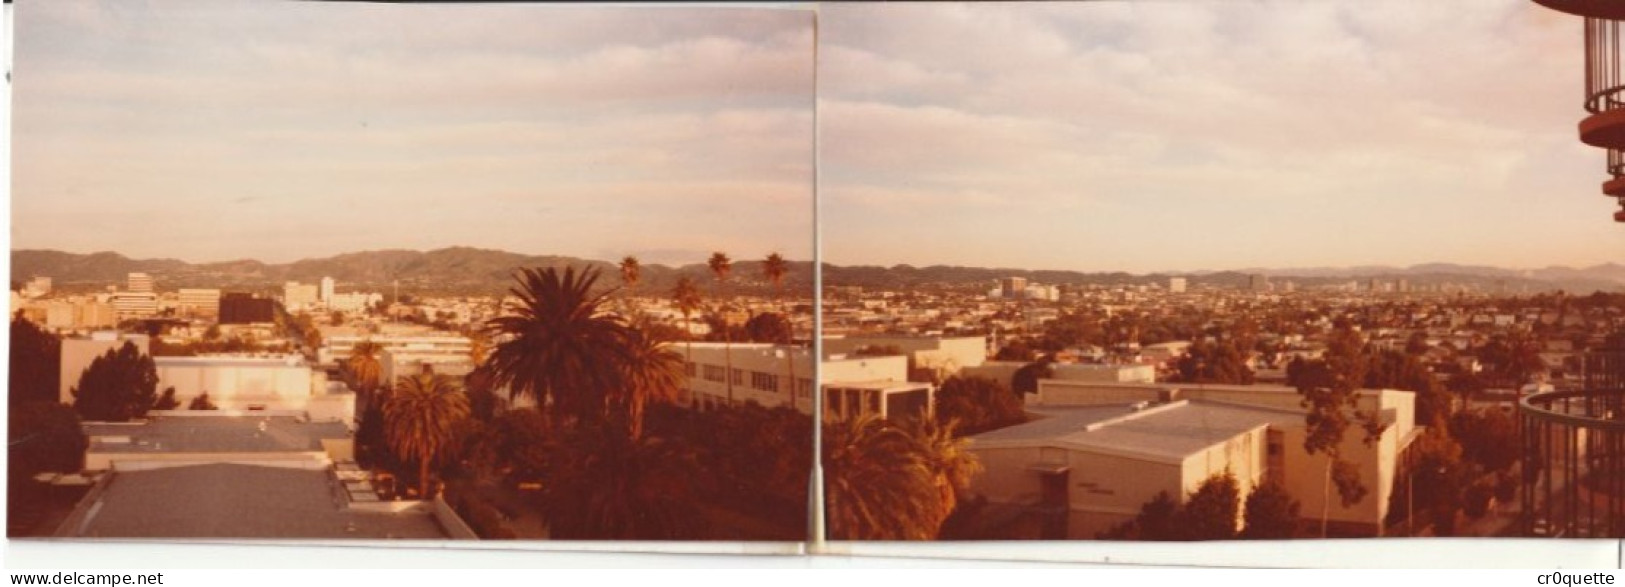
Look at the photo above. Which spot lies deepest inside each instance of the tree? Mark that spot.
(979, 404)
(1488, 437)
(774, 268)
(117, 387)
(1159, 519)
(686, 297)
(1025, 380)
(1210, 513)
(45, 436)
(1270, 513)
(1206, 362)
(603, 485)
(631, 274)
(36, 359)
(649, 373)
(167, 401)
(721, 266)
(363, 369)
(561, 348)
(1396, 370)
(768, 327)
(946, 455)
(201, 402)
(420, 420)
(1329, 387)
(879, 487)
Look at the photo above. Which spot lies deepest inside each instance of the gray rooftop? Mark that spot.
(190, 434)
(1169, 432)
(241, 501)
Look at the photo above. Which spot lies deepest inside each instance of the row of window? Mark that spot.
(758, 380)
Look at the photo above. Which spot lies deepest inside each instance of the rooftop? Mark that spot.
(196, 434)
(241, 501)
(1166, 432)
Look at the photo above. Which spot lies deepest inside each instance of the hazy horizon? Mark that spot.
(1148, 137)
(276, 131)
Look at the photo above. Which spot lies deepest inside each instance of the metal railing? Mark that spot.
(1574, 455)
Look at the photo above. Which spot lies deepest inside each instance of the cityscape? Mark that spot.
(1085, 272)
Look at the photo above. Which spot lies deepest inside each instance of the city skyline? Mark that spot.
(299, 130)
(1173, 137)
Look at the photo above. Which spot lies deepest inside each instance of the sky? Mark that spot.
(1187, 136)
(279, 131)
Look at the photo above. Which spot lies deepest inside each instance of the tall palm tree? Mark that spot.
(879, 485)
(631, 274)
(774, 269)
(607, 486)
(721, 266)
(560, 348)
(686, 296)
(421, 418)
(947, 455)
(650, 372)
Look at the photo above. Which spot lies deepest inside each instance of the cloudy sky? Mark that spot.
(1207, 135)
(278, 131)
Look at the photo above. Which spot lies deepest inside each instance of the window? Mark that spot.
(764, 381)
(714, 373)
(739, 377)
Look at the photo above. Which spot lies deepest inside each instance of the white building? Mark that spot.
(130, 304)
(327, 290)
(78, 353)
(929, 356)
(254, 383)
(140, 283)
(200, 301)
(781, 376)
(297, 295)
(1098, 451)
(337, 347)
(1176, 285)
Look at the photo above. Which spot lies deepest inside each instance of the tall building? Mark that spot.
(140, 283)
(131, 304)
(1012, 287)
(327, 290)
(297, 295)
(1176, 285)
(200, 301)
(1258, 282)
(243, 308)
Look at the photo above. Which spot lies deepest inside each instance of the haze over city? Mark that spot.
(314, 130)
(1148, 137)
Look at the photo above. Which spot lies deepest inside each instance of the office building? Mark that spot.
(140, 283)
(298, 296)
(244, 308)
(1176, 285)
(199, 302)
(327, 291)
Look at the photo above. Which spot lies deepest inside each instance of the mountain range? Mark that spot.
(472, 270)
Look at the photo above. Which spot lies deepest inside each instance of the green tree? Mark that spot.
(1206, 362)
(721, 266)
(1488, 438)
(421, 419)
(947, 456)
(1026, 378)
(560, 348)
(978, 403)
(44, 437)
(118, 386)
(1396, 370)
(1329, 387)
(650, 372)
(36, 359)
(1210, 512)
(363, 369)
(878, 485)
(686, 297)
(768, 327)
(631, 275)
(1270, 513)
(604, 485)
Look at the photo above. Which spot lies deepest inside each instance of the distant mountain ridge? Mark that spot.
(1605, 277)
(448, 270)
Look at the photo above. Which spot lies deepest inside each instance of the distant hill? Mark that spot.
(1606, 277)
(450, 270)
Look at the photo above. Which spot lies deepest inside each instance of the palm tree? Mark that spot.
(604, 485)
(720, 267)
(650, 372)
(947, 455)
(686, 296)
(420, 420)
(631, 274)
(561, 348)
(364, 369)
(879, 485)
(774, 268)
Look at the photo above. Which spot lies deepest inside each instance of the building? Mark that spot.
(297, 296)
(1012, 287)
(856, 386)
(353, 302)
(202, 302)
(131, 304)
(255, 383)
(1138, 373)
(1096, 452)
(219, 474)
(930, 358)
(772, 375)
(37, 287)
(327, 291)
(79, 352)
(140, 283)
(243, 308)
(1176, 285)
(1258, 282)
(336, 347)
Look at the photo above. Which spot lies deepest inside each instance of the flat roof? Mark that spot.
(241, 501)
(878, 384)
(1167, 432)
(197, 434)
